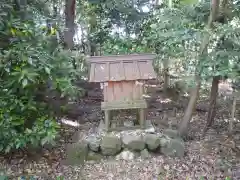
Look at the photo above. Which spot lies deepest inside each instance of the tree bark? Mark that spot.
(166, 74)
(233, 114)
(195, 92)
(69, 23)
(190, 108)
(166, 63)
(92, 30)
(213, 100)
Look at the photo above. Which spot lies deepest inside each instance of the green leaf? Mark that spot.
(29, 131)
(153, 26)
(24, 82)
(45, 140)
(8, 149)
(18, 122)
(189, 2)
(18, 145)
(47, 70)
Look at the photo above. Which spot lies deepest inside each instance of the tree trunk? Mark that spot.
(195, 92)
(190, 108)
(20, 7)
(23, 7)
(69, 23)
(212, 106)
(93, 48)
(233, 113)
(166, 63)
(92, 30)
(52, 24)
(166, 74)
(214, 89)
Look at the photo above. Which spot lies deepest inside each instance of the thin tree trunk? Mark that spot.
(166, 63)
(233, 114)
(92, 30)
(213, 99)
(20, 6)
(195, 92)
(166, 74)
(23, 7)
(69, 23)
(190, 108)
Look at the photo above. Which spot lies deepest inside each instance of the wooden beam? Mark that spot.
(124, 105)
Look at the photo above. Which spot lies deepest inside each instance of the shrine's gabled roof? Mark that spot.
(121, 67)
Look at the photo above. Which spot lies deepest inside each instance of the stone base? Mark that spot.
(129, 144)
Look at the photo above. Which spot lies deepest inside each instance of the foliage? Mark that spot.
(176, 33)
(120, 45)
(100, 18)
(30, 68)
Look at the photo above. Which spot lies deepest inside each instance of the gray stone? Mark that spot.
(171, 133)
(152, 141)
(110, 145)
(133, 142)
(92, 156)
(128, 123)
(164, 141)
(76, 153)
(145, 154)
(125, 155)
(173, 147)
(94, 143)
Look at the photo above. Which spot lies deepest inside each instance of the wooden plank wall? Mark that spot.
(122, 91)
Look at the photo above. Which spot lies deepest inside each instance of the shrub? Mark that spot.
(30, 67)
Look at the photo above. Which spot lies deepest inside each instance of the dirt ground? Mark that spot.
(205, 158)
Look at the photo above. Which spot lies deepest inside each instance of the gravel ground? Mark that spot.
(199, 162)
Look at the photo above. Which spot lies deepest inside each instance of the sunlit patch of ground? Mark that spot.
(70, 122)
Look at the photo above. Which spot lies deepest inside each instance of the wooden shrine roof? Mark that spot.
(121, 67)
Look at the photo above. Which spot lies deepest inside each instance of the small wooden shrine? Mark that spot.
(122, 78)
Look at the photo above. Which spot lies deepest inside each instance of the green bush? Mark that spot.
(29, 68)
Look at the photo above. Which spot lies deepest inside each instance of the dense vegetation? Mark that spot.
(30, 66)
(38, 52)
